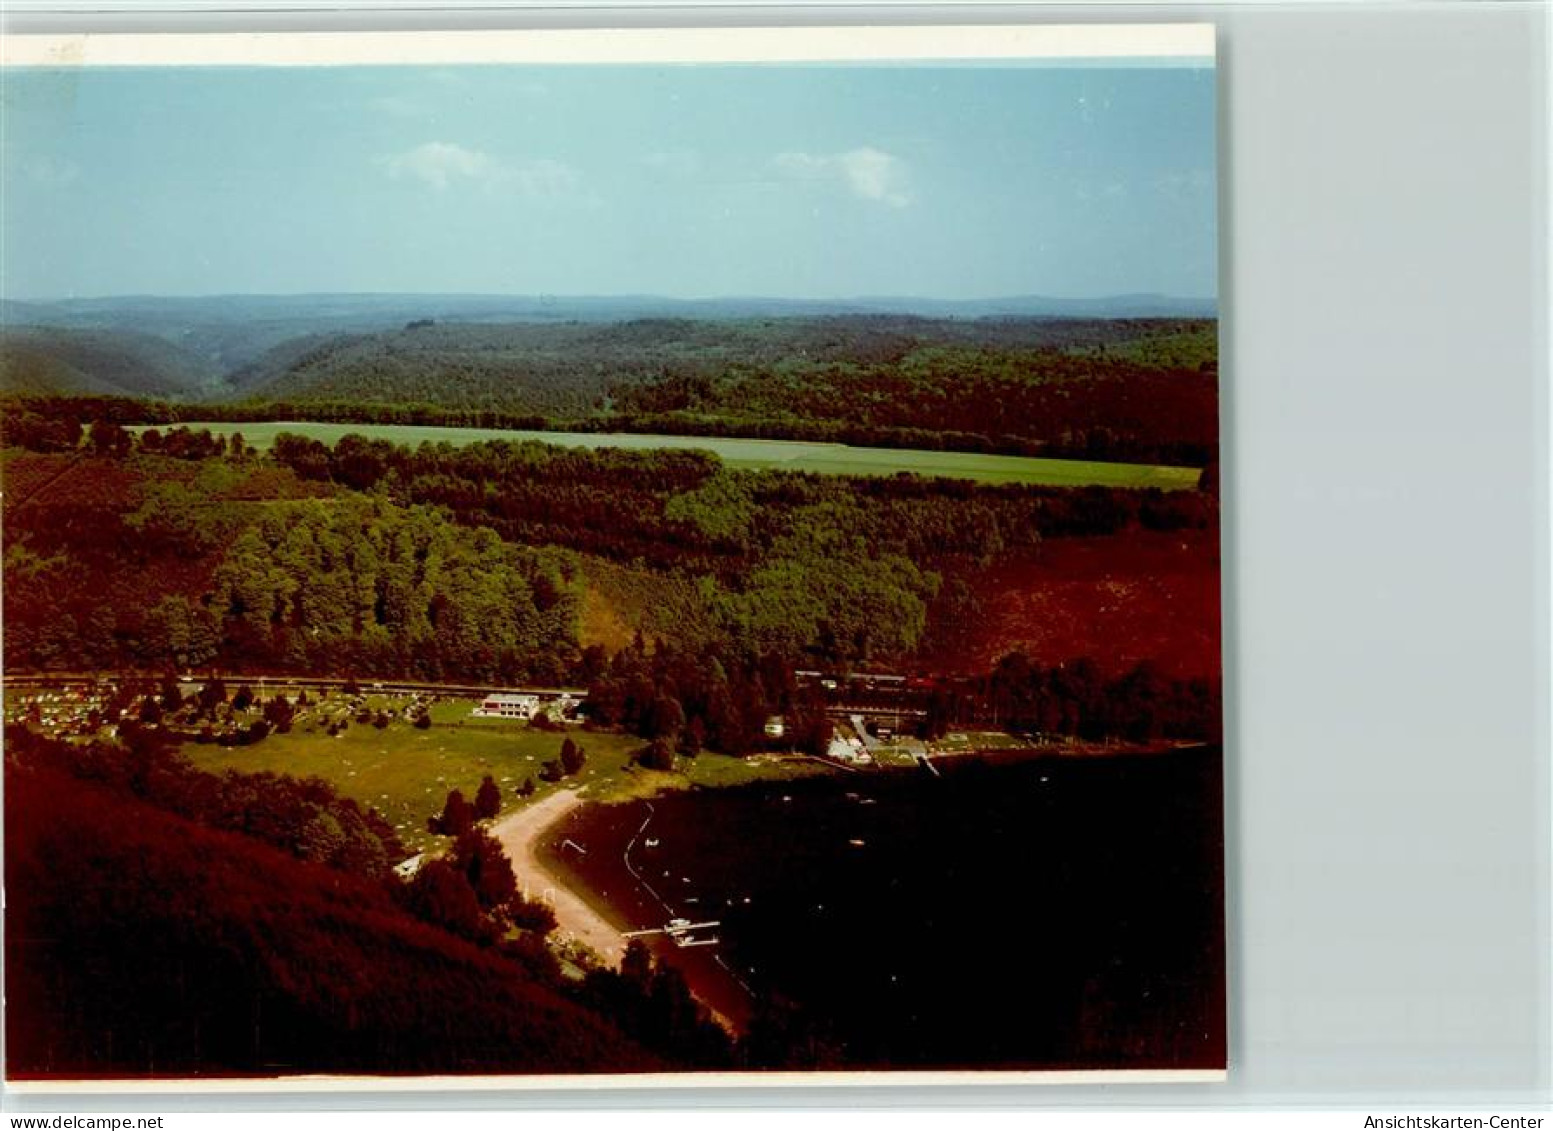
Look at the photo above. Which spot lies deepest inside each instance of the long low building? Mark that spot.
(508, 705)
(527, 704)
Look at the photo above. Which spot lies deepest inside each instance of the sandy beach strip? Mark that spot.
(520, 835)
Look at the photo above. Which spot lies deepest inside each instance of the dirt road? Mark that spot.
(520, 835)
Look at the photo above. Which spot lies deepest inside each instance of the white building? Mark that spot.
(507, 705)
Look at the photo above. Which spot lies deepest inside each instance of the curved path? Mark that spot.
(520, 835)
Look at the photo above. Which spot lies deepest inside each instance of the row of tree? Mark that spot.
(689, 700)
(1142, 704)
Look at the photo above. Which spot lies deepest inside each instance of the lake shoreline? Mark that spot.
(577, 918)
(534, 839)
(801, 878)
(728, 1003)
(834, 907)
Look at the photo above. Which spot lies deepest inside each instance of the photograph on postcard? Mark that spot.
(528, 563)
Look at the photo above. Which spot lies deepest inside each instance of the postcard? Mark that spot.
(598, 557)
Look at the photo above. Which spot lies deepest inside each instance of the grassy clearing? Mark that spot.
(895, 755)
(969, 742)
(793, 455)
(705, 771)
(405, 773)
(715, 771)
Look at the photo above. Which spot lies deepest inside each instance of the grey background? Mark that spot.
(1386, 422)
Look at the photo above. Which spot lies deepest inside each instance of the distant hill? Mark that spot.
(13, 313)
(1141, 389)
(1046, 306)
(1026, 375)
(52, 359)
(229, 332)
(572, 369)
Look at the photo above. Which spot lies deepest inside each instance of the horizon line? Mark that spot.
(543, 296)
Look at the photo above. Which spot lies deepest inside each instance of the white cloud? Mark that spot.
(442, 164)
(873, 175)
(868, 173)
(439, 164)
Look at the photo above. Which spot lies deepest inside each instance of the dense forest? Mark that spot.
(367, 585)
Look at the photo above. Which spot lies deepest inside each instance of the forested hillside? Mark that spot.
(379, 587)
(1142, 390)
(229, 332)
(175, 923)
(151, 560)
(1133, 390)
(514, 563)
(36, 359)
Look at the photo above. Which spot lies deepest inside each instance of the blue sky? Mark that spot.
(686, 181)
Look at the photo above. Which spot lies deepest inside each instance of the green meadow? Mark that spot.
(405, 773)
(792, 455)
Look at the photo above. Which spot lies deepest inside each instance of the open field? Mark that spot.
(792, 455)
(405, 773)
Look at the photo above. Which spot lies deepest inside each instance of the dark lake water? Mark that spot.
(1048, 913)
